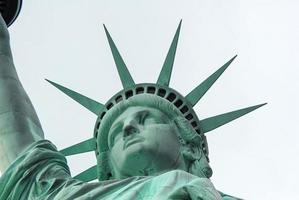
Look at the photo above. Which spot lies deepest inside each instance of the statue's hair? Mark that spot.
(191, 143)
(189, 139)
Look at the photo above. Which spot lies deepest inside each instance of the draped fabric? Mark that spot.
(42, 173)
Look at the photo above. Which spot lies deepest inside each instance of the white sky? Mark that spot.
(254, 157)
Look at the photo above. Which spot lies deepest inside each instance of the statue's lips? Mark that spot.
(133, 141)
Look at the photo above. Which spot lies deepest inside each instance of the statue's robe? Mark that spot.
(42, 173)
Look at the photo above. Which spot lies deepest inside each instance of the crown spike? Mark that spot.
(88, 175)
(88, 103)
(82, 147)
(165, 74)
(212, 123)
(124, 74)
(196, 94)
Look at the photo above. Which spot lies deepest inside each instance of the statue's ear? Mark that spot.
(196, 161)
(186, 131)
(191, 149)
(189, 139)
(191, 152)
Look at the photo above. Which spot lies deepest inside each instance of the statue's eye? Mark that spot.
(148, 118)
(115, 138)
(143, 117)
(115, 135)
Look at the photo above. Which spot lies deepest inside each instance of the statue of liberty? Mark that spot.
(148, 140)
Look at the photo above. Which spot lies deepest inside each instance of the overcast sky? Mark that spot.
(254, 157)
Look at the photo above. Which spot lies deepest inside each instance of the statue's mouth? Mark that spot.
(132, 141)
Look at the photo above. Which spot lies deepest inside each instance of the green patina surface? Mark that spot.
(148, 140)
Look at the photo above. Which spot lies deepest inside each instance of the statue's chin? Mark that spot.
(140, 160)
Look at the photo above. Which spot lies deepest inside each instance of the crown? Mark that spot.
(161, 88)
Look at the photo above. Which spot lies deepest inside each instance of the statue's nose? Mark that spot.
(130, 129)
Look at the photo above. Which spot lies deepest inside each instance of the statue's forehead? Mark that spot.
(134, 110)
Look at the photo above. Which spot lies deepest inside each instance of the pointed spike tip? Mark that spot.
(165, 74)
(263, 104)
(105, 28)
(108, 35)
(212, 123)
(180, 24)
(48, 81)
(86, 102)
(123, 72)
(233, 58)
(197, 93)
(230, 61)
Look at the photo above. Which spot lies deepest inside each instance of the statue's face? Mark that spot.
(143, 141)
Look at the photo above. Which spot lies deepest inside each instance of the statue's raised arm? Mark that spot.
(19, 124)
